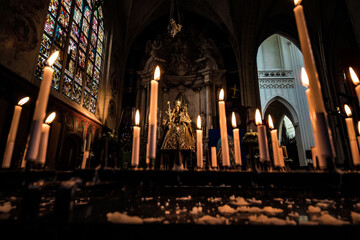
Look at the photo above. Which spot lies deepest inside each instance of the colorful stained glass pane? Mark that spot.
(40, 67)
(49, 25)
(55, 82)
(99, 47)
(60, 36)
(86, 99)
(96, 76)
(53, 7)
(85, 28)
(87, 13)
(77, 15)
(89, 3)
(98, 61)
(93, 38)
(70, 67)
(89, 69)
(75, 31)
(95, 24)
(101, 34)
(94, 89)
(45, 45)
(88, 82)
(83, 41)
(79, 3)
(67, 4)
(72, 49)
(82, 59)
(92, 53)
(76, 94)
(100, 13)
(64, 18)
(79, 76)
(92, 105)
(67, 86)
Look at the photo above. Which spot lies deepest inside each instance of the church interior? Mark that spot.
(179, 114)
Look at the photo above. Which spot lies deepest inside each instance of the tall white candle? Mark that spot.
(12, 133)
(223, 131)
(213, 157)
(40, 109)
(45, 138)
(136, 141)
(199, 145)
(352, 137)
(274, 142)
(356, 82)
(151, 149)
(262, 138)
(281, 157)
(324, 146)
(237, 149)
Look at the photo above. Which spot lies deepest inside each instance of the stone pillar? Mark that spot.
(208, 108)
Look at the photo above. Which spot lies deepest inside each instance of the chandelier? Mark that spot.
(174, 27)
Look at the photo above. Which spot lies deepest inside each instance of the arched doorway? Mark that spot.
(282, 94)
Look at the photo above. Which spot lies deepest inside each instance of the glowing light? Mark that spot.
(157, 73)
(359, 127)
(221, 95)
(233, 120)
(199, 122)
(347, 110)
(258, 120)
(297, 2)
(354, 77)
(50, 118)
(271, 124)
(137, 117)
(304, 78)
(23, 101)
(51, 60)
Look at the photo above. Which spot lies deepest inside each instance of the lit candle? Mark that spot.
(356, 82)
(281, 157)
(274, 142)
(262, 139)
(12, 133)
(199, 147)
(213, 157)
(305, 82)
(45, 138)
(323, 144)
(237, 149)
(40, 109)
(223, 131)
(136, 141)
(352, 138)
(151, 149)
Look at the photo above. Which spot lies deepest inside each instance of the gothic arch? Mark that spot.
(283, 107)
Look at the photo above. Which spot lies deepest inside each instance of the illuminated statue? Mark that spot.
(179, 134)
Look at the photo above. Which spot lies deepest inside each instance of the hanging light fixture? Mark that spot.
(173, 27)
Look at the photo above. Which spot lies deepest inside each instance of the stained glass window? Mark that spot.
(75, 28)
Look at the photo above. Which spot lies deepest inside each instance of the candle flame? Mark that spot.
(258, 117)
(199, 122)
(51, 60)
(137, 117)
(271, 123)
(233, 120)
(23, 101)
(347, 110)
(157, 73)
(50, 118)
(354, 77)
(304, 78)
(297, 2)
(221, 95)
(359, 127)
